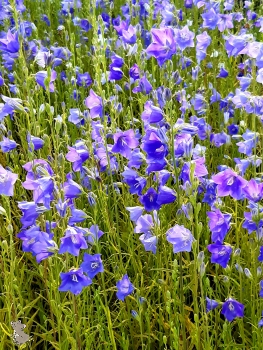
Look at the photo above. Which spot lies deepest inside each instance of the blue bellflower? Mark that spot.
(125, 287)
(74, 281)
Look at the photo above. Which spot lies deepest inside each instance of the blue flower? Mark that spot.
(181, 238)
(37, 142)
(31, 212)
(149, 200)
(232, 309)
(72, 189)
(72, 242)
(77, 215)
(211, 304)
(219, 225)
(7, 145)
(84, 79)
(74, 281)
(125, 288)
(136, 183)
(92, 264)
(7, 181)
(220, 253)
(149, 242)
(184, 38)
(94, 234)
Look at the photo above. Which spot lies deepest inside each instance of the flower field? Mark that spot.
(131, 174)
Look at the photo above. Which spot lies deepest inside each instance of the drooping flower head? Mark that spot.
(125, 287)
(220, 253)
(95, 104)
(74, 281)
(7, 181)
(232, 309)
(181, 238)
(92, 264)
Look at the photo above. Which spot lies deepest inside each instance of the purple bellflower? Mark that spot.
(184, 38)
(95, 104)
(72, 242)
(77, 154)
(149, 242)
(229, 183)
(41, 78)
(163, 45)
(125, 288)
(211, 304)
(219, 225)
(181, 238)
(74, 281)
(7, 145)
(94, 234)
(232, 309)
(92, 264)
(124, 142)
(220, 253)
(7, 182)
(253, 191)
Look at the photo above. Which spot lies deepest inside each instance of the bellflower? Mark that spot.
(220, 253)
(72, 242)
(129, 35)
(7, 181)
(260, 257)
(184, 38)
(144, 224)
(181, 238)
(225, 22)
(136, 183)
(94, 234)
(76, 116)
(151, 113)
(77, 215)
(210, 18)
(211, 304)
(10, 43)
(163, 45)
(84, 79)
(77, 154)
(219, 225)
(149, 242)
(72, 189)
(229, 183)
(7, 145)
(232, 309)
(249, 144)
(134, 72)
(150, 200)
(253, 191)
(74, 281)
(136, 159)
(43, 248)
(31, 212)
(37, 142)
(143, 86)
(92, 264)
(95, 104)
(135, 212)
(124, 142)
(42, 76)
(125, 288)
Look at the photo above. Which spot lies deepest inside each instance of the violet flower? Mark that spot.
(74, 281)
(125, 288)
(232, 309)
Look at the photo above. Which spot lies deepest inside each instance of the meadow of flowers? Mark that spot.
(131, 174)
